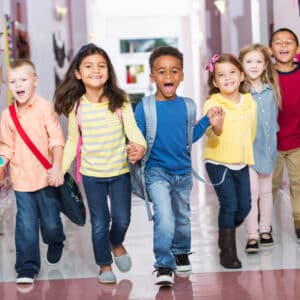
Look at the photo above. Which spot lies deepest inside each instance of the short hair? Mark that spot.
(21, 62)
(283, 29)
(165, 50)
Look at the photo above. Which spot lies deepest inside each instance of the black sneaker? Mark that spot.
(164, 276)
(54, 253)
(266, 241)
(252, 246)
(25, 277)
(183, 263)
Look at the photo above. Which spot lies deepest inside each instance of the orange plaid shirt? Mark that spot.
(41, 124)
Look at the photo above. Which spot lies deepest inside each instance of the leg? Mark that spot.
(265, 202)
(226, 192)
(51, 225)
(277, 174)
(252, 218)
(293, 169)
(119, 189)
(96, 192)
(27, 233)
(180, 194)
(242, 186)
(158, 186)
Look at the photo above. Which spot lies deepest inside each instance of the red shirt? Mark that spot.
(289, 116)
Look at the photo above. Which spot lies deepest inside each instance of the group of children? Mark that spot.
(240, 153)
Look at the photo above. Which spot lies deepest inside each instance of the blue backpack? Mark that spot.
(137, 170)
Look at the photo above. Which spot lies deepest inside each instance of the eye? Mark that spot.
(161, 72)
(12, 82)
(175, 71)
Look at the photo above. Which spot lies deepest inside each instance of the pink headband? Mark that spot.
(211, 62)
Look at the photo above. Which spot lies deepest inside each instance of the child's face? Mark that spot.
(167, 74)
(227, 78)
(93, 71)
(22, 82)
(254, 65)
(284, 47)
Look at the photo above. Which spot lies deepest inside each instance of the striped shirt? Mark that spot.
(103, 151)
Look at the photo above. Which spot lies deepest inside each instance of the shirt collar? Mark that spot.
(265, 87)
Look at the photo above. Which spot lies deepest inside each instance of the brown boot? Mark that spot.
(228, 256)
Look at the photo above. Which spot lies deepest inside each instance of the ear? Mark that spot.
(151, 78)
(214, 83)
(270, 51)
(182, 76)
(36, 81)
(242, 76)
(77, 75)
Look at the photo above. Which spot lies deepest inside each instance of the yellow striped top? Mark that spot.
(103, 150)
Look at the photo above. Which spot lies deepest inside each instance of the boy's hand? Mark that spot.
(135, 152)
(55, 176)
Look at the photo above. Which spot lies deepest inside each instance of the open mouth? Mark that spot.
(169, 86)
(20, 93)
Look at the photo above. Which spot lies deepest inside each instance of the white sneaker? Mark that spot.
(164, 276)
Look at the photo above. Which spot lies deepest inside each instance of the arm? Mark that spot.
(55, 174)
(137, 145)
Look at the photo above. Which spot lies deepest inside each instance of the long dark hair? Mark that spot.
(71, 89)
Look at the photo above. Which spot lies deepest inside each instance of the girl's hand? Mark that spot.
(55, 176)
(135, 152)
(2, 176)
(217, 120)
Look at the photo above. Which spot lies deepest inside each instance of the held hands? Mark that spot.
(216, 116)
(135, 152)
(55, 176)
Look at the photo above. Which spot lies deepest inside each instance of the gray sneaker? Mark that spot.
(123, 262)
(107, 277)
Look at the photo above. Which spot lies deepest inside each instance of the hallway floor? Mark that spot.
(272, 274)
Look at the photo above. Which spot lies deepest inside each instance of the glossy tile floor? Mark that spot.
(272, 274)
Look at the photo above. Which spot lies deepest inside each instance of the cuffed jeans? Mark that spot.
(233, 194)
(34, 209)
(171, 205)
(118, 188)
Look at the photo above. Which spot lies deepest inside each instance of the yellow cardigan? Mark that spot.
(235, 144)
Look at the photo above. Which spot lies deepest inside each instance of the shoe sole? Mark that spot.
(266, 245)
(49, 263)
(252, 251)
(164, 280)
(187, 268)
(25, 280)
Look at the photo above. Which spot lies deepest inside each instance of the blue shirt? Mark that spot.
(169, 150)
(265, 144)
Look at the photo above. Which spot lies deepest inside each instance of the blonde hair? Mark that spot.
(225, 58)
(269, 75)
(22, 62)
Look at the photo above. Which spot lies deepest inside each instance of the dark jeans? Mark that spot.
(103, 235)
(233, 194)
(36, 209)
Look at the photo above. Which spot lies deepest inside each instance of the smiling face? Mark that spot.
(227, 79)
(254, 65)
(22, 82)
(284, 47)
(93, 72)
(167, 74)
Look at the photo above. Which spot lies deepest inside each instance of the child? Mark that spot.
(36, 196)
(264, 88)
(90, 89)
(283, 46)
(168, 170)
(229, 154)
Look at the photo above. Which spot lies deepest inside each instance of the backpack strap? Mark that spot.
(191, 116)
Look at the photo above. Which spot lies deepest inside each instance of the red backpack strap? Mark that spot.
(42, 159)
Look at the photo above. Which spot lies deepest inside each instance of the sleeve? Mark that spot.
(200, 128)
(53, 127)
(71, 143)
(7, 137)
(132, 131)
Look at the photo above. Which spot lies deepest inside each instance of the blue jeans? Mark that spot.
(109, 227)
(171, 206)
(233, 194)
(36, 209)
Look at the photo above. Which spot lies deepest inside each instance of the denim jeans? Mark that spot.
(171, 206)
(36, 209)
(233, 194)
(109, 226)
